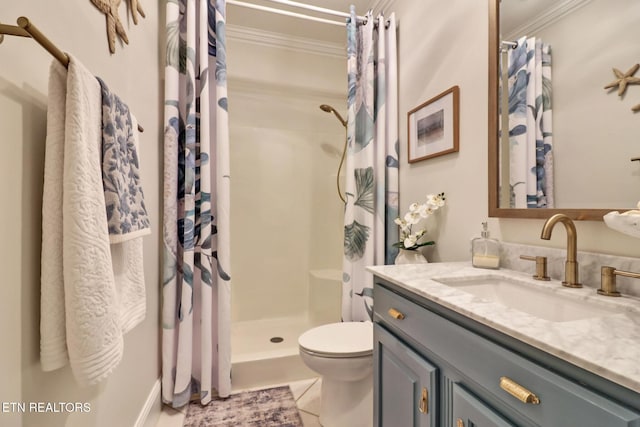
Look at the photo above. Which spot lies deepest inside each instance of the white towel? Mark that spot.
(92, 293)
(128, 269)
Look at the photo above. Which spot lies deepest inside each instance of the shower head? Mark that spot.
(329, 109)
(328, 149)
(326, 108)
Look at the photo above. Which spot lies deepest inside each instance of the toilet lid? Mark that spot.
(346, 339)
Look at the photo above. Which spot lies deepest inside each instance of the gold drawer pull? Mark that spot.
(424, 401)
(395, 314)
(459, 422)
(517, 391)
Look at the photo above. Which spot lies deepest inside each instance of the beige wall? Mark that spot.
(595, 133)
(134, 73)
(441, 44)
(287, 217)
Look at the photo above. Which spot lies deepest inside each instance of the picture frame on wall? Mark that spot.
(433, 127)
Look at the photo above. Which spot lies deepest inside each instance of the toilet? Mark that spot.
(342, 354)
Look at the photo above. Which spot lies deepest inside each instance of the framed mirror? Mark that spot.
(595, 133)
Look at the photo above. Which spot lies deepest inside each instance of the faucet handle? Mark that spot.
(541, 266)
(608, 280)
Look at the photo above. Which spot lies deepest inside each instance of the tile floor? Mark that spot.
(305, 392)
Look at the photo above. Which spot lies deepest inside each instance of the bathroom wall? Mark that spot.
(285, 151)
(134, 73)
(601, 148)
(441, 44)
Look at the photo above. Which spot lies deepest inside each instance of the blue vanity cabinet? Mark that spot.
(482, 377)
(469, 411)
(405, 384)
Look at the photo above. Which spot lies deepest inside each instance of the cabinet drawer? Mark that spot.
(483, 363)
(468, 411)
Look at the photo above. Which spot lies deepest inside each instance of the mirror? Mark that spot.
(592, 169)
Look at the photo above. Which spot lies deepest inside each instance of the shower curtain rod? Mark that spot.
(27, 29)
(298, 15)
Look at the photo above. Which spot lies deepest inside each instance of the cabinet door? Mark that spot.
(470, 412)
(404, 384)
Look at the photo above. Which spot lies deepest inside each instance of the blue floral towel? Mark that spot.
(126, 212)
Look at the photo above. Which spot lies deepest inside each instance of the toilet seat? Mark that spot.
(339, 340)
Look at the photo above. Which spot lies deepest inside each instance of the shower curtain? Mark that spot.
(196, 283)
(530, 134)
(372, 159)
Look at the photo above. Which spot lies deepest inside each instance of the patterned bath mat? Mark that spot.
(272, 407)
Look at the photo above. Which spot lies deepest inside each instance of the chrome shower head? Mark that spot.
(329, 109)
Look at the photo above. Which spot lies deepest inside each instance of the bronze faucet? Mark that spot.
(571, 265)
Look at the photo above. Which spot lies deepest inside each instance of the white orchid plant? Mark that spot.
(408, 239)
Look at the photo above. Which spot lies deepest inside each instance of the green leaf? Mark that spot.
(414, 247)
(364, 128)
(366, 292)
(168, 267)
(221, 273)
(205, 270)
(187, 274)
(190, 54)
(547, 91)
(355, 240)
(173, 44)
(369, 309)
(364, 189)
(205, 276)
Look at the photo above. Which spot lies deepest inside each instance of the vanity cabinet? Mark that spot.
(469, 378)
(405, 384)
(470, 411)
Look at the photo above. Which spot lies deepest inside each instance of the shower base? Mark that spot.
(257, 361)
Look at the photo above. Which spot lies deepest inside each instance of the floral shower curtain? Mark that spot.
(196, 283)
(530, 134)
(372, 159)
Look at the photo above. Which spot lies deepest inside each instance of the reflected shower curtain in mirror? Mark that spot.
(530, 133)
(196, 284)
(372, 160)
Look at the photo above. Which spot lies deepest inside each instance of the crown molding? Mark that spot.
(263, 90)
(546, 18)
(383, 6)
(284, 41)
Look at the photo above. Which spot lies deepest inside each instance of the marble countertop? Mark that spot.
(608, 346)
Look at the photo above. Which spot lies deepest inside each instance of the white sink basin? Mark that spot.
(536, 301)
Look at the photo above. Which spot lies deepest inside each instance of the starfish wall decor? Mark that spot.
(114, 25)
(623, 79)
(135, 7)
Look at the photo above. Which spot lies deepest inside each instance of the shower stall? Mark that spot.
(286, 215)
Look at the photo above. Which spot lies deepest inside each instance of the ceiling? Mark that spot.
(266, 21)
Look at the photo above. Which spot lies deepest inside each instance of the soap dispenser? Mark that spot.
(485, 252)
